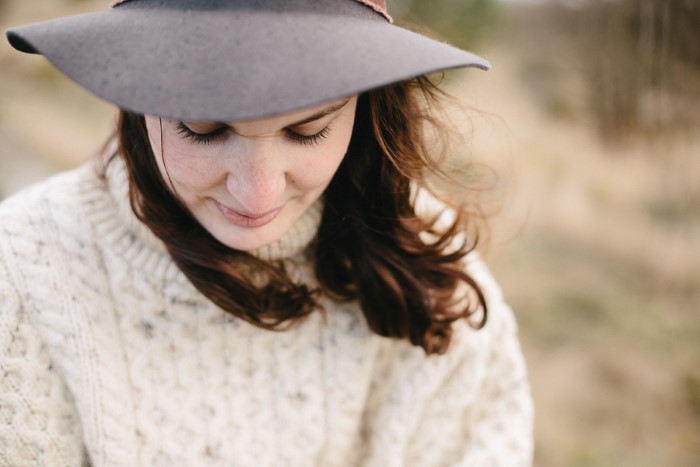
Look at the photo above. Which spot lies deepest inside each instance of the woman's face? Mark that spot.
(248, 182)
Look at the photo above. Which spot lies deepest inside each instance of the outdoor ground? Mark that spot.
(596, 243)
(597, 247)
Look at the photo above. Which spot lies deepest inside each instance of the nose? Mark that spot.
(257, 177)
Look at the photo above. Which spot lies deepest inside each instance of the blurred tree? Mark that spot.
(462, 22)
(643, 62)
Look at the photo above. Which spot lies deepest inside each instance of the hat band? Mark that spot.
(377, 5)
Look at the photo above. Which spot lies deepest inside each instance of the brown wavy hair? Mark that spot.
(368, 247)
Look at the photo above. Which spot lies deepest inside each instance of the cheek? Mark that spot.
(320, 166)
(179, 162)
(317, 168)
(188, 166)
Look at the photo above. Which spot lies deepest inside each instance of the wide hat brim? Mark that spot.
(224, 60)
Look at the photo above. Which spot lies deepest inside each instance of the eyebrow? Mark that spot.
(312, 118)
(322, 113)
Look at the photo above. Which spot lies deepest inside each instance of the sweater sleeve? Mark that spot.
(481, 414)
(498, 425)
(39, 424)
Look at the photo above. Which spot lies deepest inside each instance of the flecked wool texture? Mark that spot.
(108, 355)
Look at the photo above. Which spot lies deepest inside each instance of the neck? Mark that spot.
(297, 238)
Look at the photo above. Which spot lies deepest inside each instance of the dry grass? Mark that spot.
(597, 246)
(46, 122)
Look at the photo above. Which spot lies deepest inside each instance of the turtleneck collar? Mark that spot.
(292, 243)
(297, 238)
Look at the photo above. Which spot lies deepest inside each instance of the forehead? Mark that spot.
(298, 117)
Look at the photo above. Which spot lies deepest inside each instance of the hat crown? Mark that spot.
(377, 5)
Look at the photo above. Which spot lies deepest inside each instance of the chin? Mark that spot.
(246, 242)
(246, 239)
(250, 238)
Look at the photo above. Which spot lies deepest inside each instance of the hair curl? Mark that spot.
(371, 245)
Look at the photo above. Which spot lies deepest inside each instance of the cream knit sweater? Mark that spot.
(110, 357)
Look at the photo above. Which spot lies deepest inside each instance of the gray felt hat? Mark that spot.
(229, 60)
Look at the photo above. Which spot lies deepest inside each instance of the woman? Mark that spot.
(269, 175)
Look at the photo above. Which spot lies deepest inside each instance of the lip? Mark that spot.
(244, 220)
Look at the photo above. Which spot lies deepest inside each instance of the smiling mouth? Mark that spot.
(247, 220)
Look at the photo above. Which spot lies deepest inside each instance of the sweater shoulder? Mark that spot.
(45, 233)
(33, 393)
(57, 195)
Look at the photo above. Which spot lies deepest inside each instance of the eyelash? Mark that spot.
(206, 138)
(311, 139)
(199, 138)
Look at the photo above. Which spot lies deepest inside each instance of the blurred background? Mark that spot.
(590, 122)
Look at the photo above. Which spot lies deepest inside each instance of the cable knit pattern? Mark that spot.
(109, 356)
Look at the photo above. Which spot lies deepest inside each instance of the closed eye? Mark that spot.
(200, 138)
(208, 137)
(308, 140)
